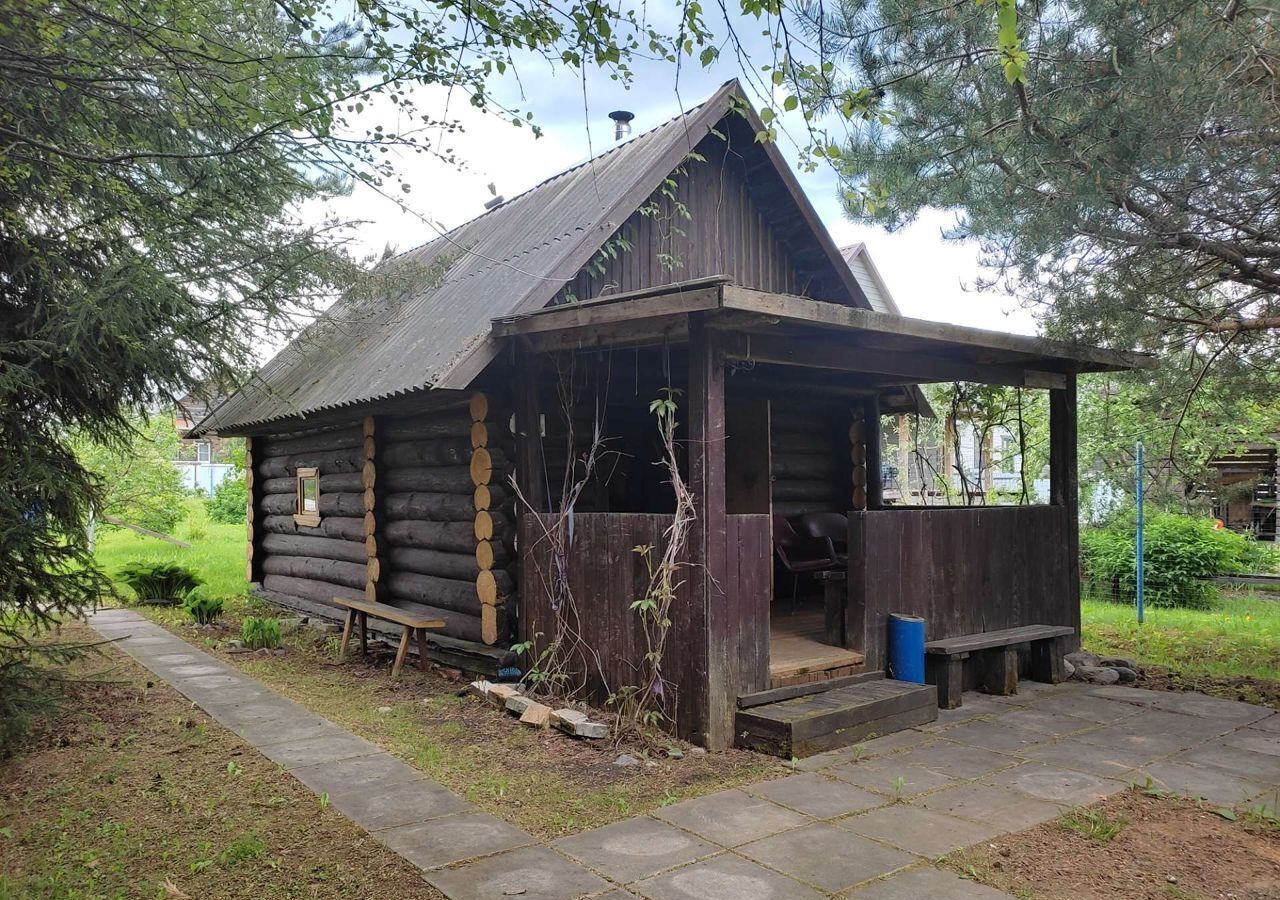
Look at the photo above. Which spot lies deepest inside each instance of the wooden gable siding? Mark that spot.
(727, 233)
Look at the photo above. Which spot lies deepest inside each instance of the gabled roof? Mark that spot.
(430, 328)
(869, 278)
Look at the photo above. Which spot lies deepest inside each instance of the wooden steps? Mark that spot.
(803, 726)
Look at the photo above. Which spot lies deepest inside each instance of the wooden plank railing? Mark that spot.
(964, 570)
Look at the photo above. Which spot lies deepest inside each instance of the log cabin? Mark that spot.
(416, 446)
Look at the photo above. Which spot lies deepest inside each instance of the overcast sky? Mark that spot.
(926, 275)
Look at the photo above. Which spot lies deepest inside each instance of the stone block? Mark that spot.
(500, 693)
(480, 688)
(518, 703)
(536, 714)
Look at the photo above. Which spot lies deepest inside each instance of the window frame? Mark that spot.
(301, 515)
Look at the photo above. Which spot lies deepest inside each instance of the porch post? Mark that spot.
(530, 471)
(1064, 488)
(875, 471)
(714, 695)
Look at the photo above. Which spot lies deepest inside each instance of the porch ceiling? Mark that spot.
(785, 330)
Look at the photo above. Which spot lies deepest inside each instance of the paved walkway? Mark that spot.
(862, 823)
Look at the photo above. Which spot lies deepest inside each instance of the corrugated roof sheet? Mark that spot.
(441, 296)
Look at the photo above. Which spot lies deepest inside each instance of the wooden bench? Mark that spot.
(412, 623)
(996, 654)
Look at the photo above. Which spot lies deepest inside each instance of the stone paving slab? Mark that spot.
(730, 818)
(1003, 808)
(534, 873)
(1200, 782)
(956, 760)
(1234, 760)
(635, 848)
(919, 831)
(453, 839)
(827, 857)
(891, 777)
(396, 803)
(1044, 722)
(724, 877)
(309, 752)
(1056, 785)
(995, 735)
(1084, 757)
(817, 795)
(1255, 740)
(926, 881)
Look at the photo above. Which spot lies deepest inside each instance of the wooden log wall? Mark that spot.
(415, 510)
(447, 530)
(317, 563)
(965, 570)
(811, 465)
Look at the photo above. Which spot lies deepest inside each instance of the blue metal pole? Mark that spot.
(1138, 548)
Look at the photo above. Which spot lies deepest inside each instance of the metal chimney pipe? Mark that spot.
(621, 123)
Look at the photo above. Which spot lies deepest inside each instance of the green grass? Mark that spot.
(216, 553)
(1092, 823)
(1240, 637)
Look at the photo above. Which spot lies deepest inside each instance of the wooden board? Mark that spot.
(970, 643)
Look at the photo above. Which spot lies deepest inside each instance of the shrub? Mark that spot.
(159, 582)
(260, 634)
(1181, 553)
(203, 609)
(227, 505)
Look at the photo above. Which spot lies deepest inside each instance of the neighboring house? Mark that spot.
(1243, 490)
(477, 443)
(911, 472)
(202, 461)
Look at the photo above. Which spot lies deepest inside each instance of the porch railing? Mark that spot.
(964, 570)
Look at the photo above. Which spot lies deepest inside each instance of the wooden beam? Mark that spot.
(813, 312)
(1064, 486)
(871, 426)
(530, 469)
(609, 311)
(846, 356)
(253, 528)
(667, 329)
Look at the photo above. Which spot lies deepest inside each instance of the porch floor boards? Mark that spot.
(797, 653)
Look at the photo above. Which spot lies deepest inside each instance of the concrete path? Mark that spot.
(863, 822)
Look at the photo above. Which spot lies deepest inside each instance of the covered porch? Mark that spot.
(780, 403)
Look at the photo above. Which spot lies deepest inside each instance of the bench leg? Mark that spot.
(1048, 660)
(364, 635)
(947, 673)
(400, 654)
(998, 671)
(422, 649)
(346, 634)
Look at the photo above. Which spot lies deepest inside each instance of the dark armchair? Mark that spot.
(833, 529)
(800, 554)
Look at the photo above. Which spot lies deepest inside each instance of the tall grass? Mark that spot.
(1237, 636)
(216, 553)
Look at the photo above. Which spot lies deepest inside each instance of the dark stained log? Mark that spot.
(492, 496)
(327, 462)
(433, 562)
(340, 527)
(310, 589)
(446, 593)
(453, 424)
(442, 479)
(342, 439)
(347, 482)
(415, 454)
(810, 466)
(813, 440)
(330, 504)
(427, 506)
(493, 586)
(492, 554)
(747, 455)
(308, 430)
(318, 547)
(333, 571)
(454, 537)
(253, 529)
(797, 507)
(803, 489)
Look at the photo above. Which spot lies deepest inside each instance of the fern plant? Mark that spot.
(159, 583)
(260, 634)
(203, 609)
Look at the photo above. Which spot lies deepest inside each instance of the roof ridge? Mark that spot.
(563, 172)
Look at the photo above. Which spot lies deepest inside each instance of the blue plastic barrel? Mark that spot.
(906, 648)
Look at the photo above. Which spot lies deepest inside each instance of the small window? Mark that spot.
(204, 452)
(308, 506)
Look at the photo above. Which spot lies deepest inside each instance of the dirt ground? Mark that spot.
(1167, 849)
(544, 781)
(1260, 691)
(131, 791)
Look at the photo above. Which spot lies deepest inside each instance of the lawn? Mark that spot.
(216, 552)
(133, 792)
